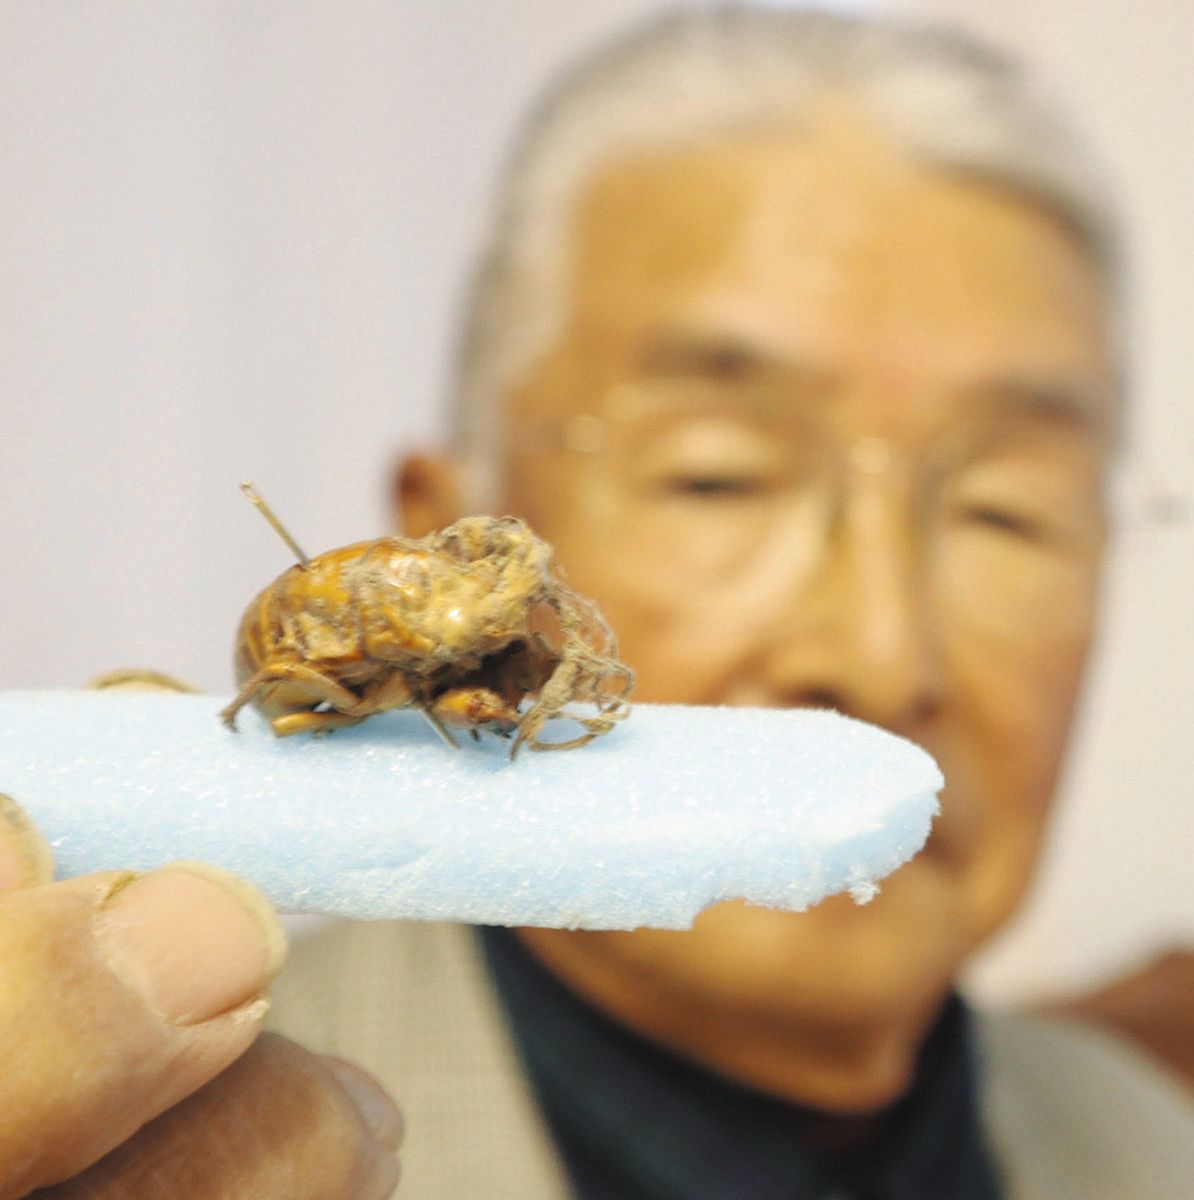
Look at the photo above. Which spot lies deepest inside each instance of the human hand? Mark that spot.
(130, 1062)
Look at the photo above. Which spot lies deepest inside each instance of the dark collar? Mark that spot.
(634, 1121)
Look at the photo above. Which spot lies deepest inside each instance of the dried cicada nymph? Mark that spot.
(473, 625)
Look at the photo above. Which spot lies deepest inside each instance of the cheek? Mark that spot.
(683, 641)
(678, 663)
(1019, 664)
(1003, 749)
(1017, 651)
(682, 651)
(1008, 733)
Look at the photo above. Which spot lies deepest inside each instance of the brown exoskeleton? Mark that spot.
(465, 625)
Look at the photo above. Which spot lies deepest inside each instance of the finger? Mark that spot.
(25, 857)
(119, 995)
(137, 680)
(278, 1124)
(372, 1102)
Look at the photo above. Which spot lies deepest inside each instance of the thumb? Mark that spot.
(119, 995)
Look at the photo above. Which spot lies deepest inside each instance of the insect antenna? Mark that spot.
(280, 529)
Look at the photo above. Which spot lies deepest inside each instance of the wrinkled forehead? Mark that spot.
(668, 216)
(833, 254)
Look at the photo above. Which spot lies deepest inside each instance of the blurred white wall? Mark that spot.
(233, 239)
(232, 242)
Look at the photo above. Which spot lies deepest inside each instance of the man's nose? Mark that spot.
(861, 635)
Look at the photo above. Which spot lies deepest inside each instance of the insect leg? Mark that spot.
(394, 691)
(438, 726)
(391, 691)
(576, 678)
(246, 693)
(555, 693)
(311, 721)
(311, 686)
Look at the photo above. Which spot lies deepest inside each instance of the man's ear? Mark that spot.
(428, 493)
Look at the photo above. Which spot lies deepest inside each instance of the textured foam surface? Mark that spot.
(674, 810)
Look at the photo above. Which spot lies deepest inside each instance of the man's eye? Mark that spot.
(714, 486)
(1005, 520)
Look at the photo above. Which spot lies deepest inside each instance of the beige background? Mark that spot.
(233, 240)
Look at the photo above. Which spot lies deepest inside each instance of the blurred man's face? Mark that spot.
(824, 429)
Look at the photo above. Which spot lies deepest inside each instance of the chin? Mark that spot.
(814, 1007)
(827, 1007)
(843, 961)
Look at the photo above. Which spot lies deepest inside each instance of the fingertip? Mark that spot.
(26, 859)
(382, 1120)
(387, 1172)
(376, 1108)
(193, 940)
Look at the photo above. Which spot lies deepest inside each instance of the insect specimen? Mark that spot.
(473, 625)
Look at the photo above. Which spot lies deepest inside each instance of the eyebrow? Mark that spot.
(1068, 403)
(731, 355)
(722, 354)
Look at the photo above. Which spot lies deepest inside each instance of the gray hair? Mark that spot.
(949, 101)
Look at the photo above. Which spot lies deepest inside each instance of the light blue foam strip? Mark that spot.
(674, 810)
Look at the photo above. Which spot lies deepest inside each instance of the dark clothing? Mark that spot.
(634, 1121)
